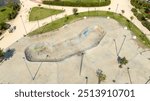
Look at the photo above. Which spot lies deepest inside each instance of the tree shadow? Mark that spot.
(9, 54)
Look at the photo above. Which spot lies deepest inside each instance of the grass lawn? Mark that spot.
(68, 19)
(4, 13)
(38, 13)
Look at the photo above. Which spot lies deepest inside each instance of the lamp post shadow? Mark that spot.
(129, 75)
(28, 68)
(33, 77)
(81, 63)
(86, 80)
(147, 81)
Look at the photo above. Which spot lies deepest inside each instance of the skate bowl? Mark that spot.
(89, 38)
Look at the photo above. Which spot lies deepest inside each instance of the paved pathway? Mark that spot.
(24, 26)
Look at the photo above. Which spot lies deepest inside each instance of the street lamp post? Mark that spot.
(23, 24)
(117, 7)
(28, 68)
(81, 64)
(86, 78)
(129, 75)
(38, 22)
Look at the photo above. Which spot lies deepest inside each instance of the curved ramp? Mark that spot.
(44, 52)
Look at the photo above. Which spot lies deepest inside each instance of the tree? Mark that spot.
(75, 11)
(122, 61)
(147, 10)
(134, 10)
(131, 17)
(100, 75)
(140, 17)
(122, 11)
(4, 26)
(1, 54)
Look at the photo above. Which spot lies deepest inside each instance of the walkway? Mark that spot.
(23, 26)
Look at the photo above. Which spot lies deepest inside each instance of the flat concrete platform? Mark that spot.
(104, 56)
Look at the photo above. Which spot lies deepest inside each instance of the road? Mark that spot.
(23, 26)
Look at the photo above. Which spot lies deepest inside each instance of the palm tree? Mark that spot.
(122, 61)
(100, 75)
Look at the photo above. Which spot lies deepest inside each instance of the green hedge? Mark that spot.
(16, 8)
(9, 12)
(4, 26)
(141, 16)
(146, 24)
(134, 10)
(139, 4)
(77, 4)
(68, 19)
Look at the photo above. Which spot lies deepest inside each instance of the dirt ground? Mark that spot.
(118, 40)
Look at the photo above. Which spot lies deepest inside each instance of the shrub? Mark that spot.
(4, 26)
(57, 0)
(2, 10)
(74, 4)
(1, 26)
(146, 24)
(140, 17)
(122, 11)
(1, 55)
(1, 52)
(134, 10)
(12, 15)
(140, 4)
(16, 7)
(147, 16)
(75, 11)
(131, 17)
(0, 33)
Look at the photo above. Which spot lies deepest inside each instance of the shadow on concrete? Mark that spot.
(9, 54)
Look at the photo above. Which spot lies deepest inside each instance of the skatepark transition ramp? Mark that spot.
(45, 52)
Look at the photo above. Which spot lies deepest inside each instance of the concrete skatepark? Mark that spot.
(45, 52)
(104, 56)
